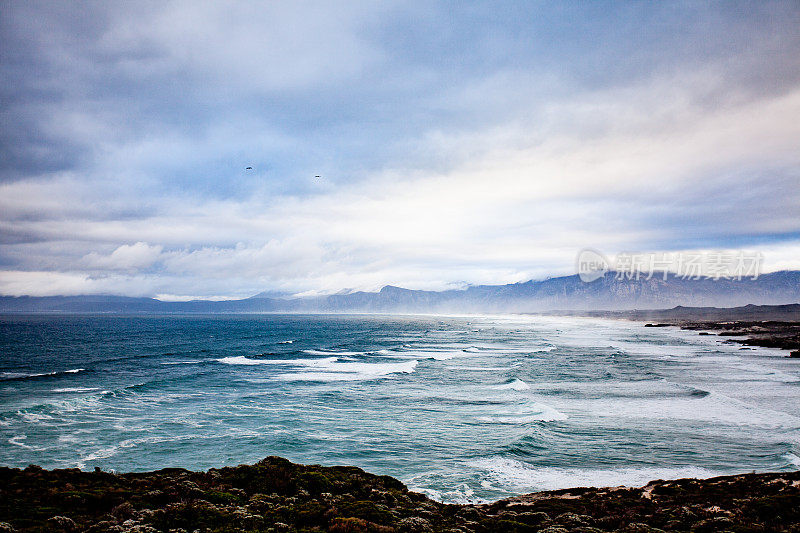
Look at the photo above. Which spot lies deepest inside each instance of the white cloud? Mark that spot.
(189, 297)
(500, 173)
(502, 215)
(250, 46)
(38, 283)
(136, 256)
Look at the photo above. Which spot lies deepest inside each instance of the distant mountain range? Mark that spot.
(566, 293)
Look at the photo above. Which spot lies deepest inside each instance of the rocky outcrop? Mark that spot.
(768, 334)
(280, 496)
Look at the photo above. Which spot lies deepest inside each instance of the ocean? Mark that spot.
(463, 408)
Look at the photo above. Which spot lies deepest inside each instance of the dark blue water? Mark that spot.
(464, 408)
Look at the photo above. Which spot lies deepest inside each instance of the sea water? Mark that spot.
(469, 408)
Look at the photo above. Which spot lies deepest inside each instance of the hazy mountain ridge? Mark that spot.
(561, 293)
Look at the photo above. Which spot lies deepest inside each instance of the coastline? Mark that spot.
(277, 495)
(765, 326)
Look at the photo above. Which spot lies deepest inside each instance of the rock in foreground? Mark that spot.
(277, 495)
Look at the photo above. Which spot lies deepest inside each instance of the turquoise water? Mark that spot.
(463, 408)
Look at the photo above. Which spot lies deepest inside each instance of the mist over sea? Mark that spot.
(462, 408)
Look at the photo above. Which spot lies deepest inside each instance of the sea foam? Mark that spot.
(350, 371)
(10, 376)
(518, 476)
(515, 384)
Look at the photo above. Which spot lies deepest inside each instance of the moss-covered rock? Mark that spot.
(277, 495)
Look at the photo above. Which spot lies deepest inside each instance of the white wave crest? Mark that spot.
(242, 360)
(793, 459)
(333, 352)
(16, 441)
(350, 371)
(8, 376)
(438, 355)
(517, 476)
(526, 413)
(516, 384)
(530, 419)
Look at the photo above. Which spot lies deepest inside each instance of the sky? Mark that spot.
(456, 143)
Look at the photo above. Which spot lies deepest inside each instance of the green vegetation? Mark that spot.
(279, 496)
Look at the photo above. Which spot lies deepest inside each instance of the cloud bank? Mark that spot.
(485, 144)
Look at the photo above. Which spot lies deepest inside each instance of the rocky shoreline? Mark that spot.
(280, 496)
(768, 326)
(766, 334)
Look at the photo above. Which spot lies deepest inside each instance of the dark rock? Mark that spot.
(572, 520)
(554, 529)
(640, 528)
(468, 513)
(414, 524)
(61, 523)
(123, 511)
(141, 528)
(275, 494)
(105, 527)
(533, 518)
(709, 525)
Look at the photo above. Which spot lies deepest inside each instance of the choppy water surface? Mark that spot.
(463, 408)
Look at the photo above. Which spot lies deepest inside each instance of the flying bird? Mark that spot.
(249, 168)
(317, 176)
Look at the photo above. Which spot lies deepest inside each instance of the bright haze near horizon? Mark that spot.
(421, 144)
